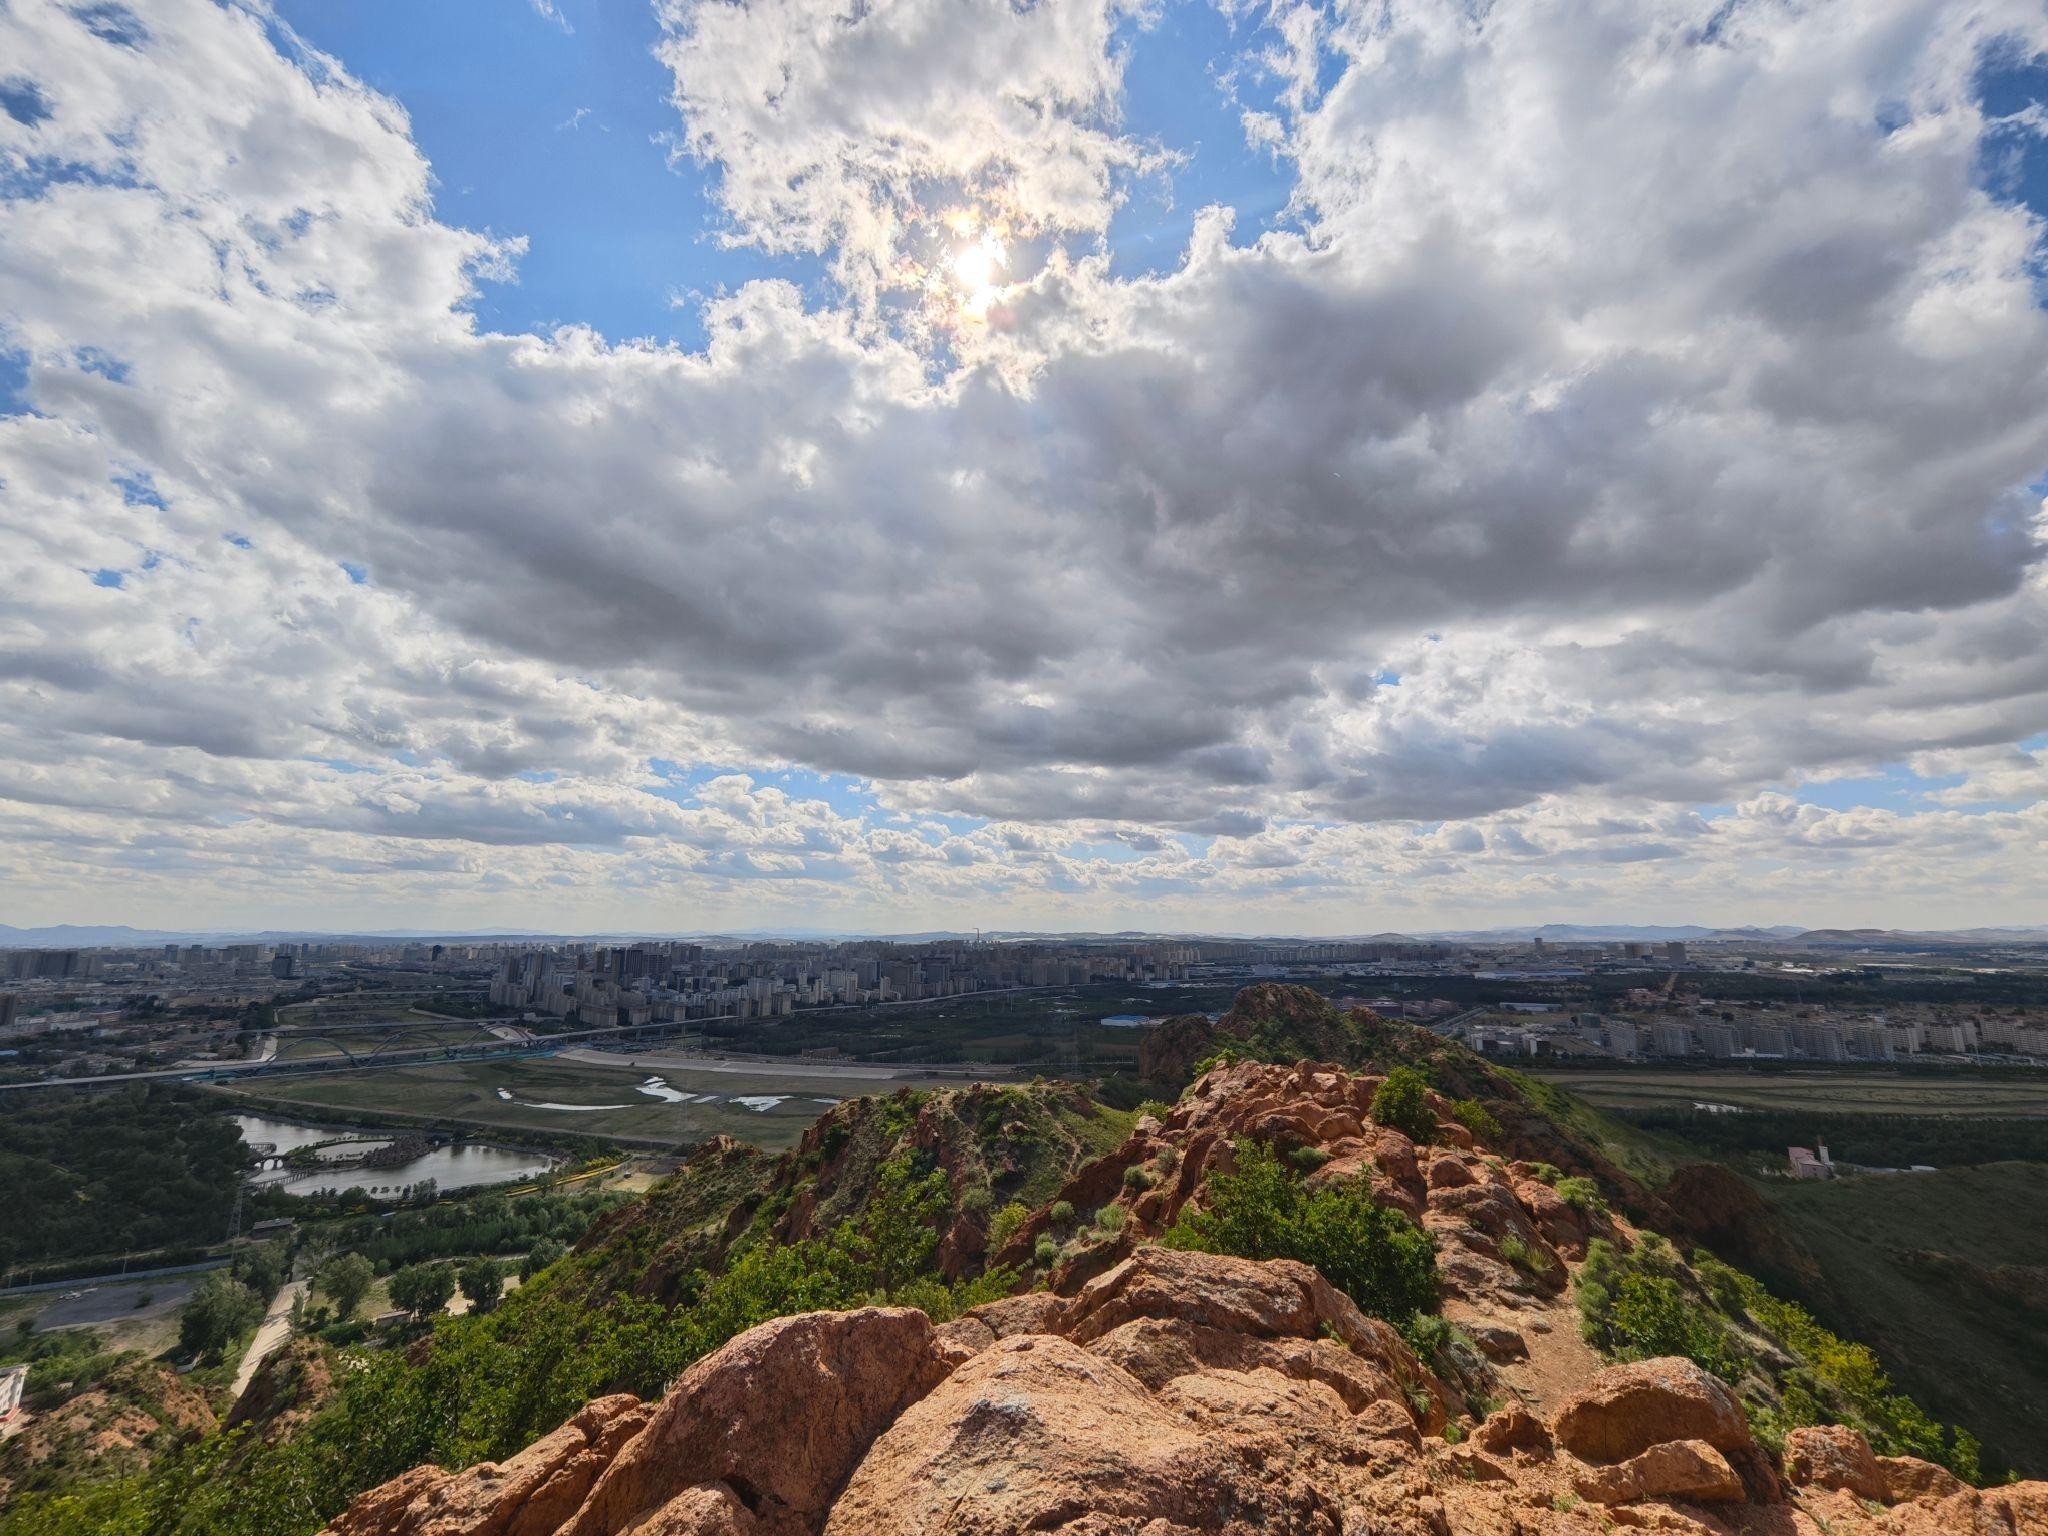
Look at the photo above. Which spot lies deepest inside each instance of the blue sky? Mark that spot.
(563, 132)
(564, 136)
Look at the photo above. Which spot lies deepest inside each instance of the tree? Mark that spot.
(540, 1256)
(423, 1289)
(346, 1279)
(1009, 1221)
(219, 1309)
(1401, 1103)
(482, 1282)
(261, 1268)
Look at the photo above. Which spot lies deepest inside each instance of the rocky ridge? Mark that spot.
(1150, 1392)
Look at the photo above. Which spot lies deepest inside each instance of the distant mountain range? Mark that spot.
(98, 936)
(1612, 933)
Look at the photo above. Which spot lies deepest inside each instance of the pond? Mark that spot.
(465, 1166)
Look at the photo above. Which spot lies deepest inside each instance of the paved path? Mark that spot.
(271, 1333)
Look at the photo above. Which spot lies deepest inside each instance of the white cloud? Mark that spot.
(1634, 420)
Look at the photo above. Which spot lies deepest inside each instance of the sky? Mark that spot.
(1208, 465)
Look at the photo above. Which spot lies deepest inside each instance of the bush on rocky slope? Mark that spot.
(1374, 1255)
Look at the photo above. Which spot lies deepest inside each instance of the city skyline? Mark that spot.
(1238, 469)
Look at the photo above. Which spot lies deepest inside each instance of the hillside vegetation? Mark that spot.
(1946, 1276)
(92, 1173)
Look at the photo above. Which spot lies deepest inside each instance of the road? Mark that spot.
(271, 1333)
(113, 1277)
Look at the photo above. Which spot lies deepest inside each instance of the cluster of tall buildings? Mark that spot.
(601, 987)
(49, 964)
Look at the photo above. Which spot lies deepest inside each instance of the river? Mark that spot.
(465, 1166)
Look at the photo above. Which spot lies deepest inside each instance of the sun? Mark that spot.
(977, 268)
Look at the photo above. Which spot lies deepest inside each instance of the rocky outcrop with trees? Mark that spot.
(1185, 1351)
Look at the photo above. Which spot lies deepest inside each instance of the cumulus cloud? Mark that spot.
(1635, 415)
(856, 128)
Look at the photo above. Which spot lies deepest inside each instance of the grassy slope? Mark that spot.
(1912, 1267)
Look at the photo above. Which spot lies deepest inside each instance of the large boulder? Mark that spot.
(1834, 1456)
(1036, 1433)
(1626, 1409)
(780, 1417)
(1158, 1351)
(1254, 1299)
(1908, 1478)
(1691, 1470)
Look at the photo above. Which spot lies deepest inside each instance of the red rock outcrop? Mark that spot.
(530, 1495)
(1503, 1236)
(779, 1417)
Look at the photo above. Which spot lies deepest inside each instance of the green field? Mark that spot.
(471, 1093)
(1841, 1091)
(409, 1033)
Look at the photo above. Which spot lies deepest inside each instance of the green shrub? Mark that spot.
(1062, 1213)
(1138, 1177)
(1476, 1118)
(1582, 1195)
(1169, 1158)
(1155, 1109)
(1837, 1381)
(1528, 1259)
(1008, 1222)
(1401, 1104)
(1428, 1334)
(1633, 1307)
(1046, 1252)
(1110, 1219)
(1308, 1159)
(1546, 1173)
(1377, 1257)
(978, 1200)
